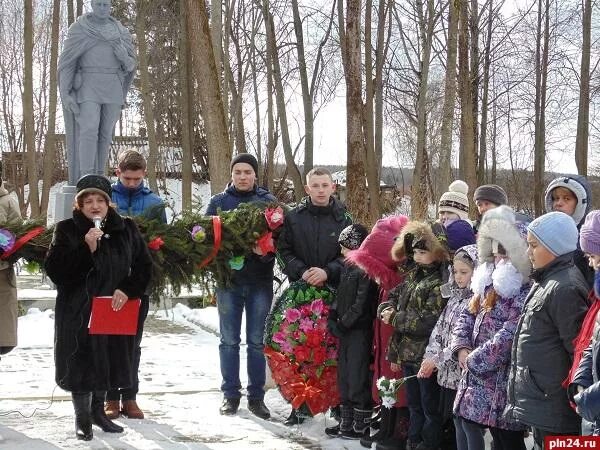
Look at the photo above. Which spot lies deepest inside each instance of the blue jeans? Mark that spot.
(256, 299)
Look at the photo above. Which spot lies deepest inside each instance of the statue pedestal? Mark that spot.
(63, 204)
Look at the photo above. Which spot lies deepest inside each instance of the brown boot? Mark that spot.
(132, 410)
(111, 408)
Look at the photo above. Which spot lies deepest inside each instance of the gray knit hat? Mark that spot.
(492, 193)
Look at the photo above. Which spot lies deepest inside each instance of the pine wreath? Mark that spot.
(184, 253)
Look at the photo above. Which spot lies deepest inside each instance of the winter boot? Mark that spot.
(345, 425)
(258, 408)
(99, 416)
(112, 409)
(131, 410)
(82, 403)
(397, 441)
(387, 417)
(294, 419)
(360, 424)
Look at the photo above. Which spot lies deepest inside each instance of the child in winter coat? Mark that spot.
(542, 351)
(584, 389)
(375, 257)
(351, 320)
(413, 309)
(572, 195)
(483, 335)
(438, 356)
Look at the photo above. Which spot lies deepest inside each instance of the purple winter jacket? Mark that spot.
(481, 395)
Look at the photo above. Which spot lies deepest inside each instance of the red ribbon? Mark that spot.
(22, 241)
(216, 221)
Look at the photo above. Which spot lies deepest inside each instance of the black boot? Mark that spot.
(361, 421)
(387, 417)
(82, 403)
(399, 434)
(99, 416)
(293, 419)
(345, 425)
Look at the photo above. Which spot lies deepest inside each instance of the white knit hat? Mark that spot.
(456, 200)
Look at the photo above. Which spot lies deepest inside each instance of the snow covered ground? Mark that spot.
(179, 387)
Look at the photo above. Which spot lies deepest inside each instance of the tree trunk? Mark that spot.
(583, 113)
(70, 12)
(49, 144)
(468, 156)
(355, 172)
(445, 168)
(420, 188)
(484, 98)
(306, 97)
(140, 28)
(281, 108)
(474, 76)
(186, 96)
(79, 8)
(29, 120)
(216, 34)
(217, 138)
(541, 67)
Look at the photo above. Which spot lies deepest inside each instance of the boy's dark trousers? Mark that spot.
(130, 393)
(423, 396)
(354, 378)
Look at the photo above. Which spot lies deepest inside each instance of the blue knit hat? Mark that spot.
(556, 231)
(459, 234)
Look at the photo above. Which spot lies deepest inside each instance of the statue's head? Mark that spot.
(101, 8)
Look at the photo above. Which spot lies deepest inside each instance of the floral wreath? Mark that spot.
(301, 353)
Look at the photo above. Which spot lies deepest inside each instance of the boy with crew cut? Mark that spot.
(308, 246)
(133, 198)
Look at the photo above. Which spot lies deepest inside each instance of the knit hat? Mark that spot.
(467, 254)
(455, 200)
(374, 255)
(589, 235)
(352, 236)
(245, 158)
(492, 193)
(96, 184)
(459, 233)
(420, 235)
(556, 231)
(499, 225)
(577, 187)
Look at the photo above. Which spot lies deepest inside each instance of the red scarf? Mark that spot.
(583, 339)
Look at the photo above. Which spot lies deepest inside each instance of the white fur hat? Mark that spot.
(456, 200)
(499, 225)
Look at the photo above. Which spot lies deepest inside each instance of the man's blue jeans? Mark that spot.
(256, 300)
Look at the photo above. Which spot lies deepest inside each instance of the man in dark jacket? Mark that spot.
(542, 351)
(308, 247)
(251, 289)
(132, 198)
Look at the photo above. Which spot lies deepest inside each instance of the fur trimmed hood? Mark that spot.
(499, 225)
(374, 255)
(431, 237)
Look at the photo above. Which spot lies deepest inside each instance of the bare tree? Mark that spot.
(219, 148)
(28, 115)
(583, 113)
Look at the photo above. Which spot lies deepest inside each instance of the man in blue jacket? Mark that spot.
(133, 199)
(251, 289)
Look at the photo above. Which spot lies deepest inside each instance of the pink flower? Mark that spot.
(286, 347)
(279, 337)
(321, 324)
(331, 353)
(305, 310)
(306, 324)
(317, 307)
(292, 314)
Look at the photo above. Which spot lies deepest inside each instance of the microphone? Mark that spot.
(97, 223)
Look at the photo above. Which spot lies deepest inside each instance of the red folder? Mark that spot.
(105, 320)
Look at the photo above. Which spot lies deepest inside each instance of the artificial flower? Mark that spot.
(237, 262)
(274, 217)
(198, 233)
(156, 243)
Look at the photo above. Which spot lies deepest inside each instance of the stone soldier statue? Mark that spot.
(95, 69)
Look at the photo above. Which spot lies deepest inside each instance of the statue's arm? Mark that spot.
(67, 67)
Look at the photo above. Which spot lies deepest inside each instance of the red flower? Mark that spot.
(302, 353)
(266, 244)
(313, 339)
(156, 243)
(319, 355)
(274, 217)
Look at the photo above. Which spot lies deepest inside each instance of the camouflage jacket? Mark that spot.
(417, 305)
